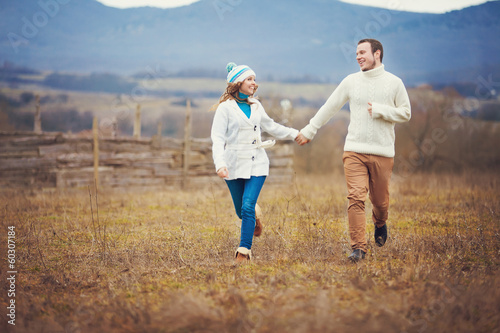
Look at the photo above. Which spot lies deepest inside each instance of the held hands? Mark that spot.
(301, 139)
(223, 173)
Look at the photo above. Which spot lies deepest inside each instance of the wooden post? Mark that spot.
(158, 132)
(37, 128)
(158, 135)
(114, 128)
(137, 122)
(156, 142)
(286, 107)
(95, 130)
(187, 145)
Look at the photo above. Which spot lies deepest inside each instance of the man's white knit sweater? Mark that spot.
(367, 134)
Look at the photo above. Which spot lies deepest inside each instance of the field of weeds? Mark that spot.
(161, 261)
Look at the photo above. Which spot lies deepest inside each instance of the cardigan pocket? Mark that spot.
(248, 134)
(244, 163)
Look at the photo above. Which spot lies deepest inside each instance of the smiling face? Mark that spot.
(248, 86)
(365, 58)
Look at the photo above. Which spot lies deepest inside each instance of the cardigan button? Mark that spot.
(254, 142)
(255, 128)
(253, 158)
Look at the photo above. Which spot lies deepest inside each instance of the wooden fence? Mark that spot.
(57, 160)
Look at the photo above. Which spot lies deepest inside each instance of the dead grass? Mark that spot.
(161, 261)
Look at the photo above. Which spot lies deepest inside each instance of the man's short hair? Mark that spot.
(375, 45)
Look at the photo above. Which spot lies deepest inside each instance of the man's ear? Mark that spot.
(377, 54)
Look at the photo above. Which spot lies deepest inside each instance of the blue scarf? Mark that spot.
(245, 107)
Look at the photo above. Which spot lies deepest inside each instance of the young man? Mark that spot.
(378, 100)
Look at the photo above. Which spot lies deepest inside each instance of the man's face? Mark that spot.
(365, 57)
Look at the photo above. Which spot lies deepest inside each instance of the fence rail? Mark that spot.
(59, 160)
(56, 160)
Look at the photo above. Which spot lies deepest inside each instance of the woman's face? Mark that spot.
(248, 86)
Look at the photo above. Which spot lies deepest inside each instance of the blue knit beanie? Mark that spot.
(238, 73)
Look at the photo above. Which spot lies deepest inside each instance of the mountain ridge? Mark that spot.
(281, 39)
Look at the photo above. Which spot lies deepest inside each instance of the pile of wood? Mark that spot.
(57, 160)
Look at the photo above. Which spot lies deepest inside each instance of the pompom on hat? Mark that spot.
(238, 73)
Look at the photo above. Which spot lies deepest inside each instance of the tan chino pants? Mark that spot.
(365, 173)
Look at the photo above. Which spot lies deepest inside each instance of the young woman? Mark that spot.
(238, 152)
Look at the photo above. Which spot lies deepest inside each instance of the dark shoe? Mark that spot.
(381, 235)
(357, 255)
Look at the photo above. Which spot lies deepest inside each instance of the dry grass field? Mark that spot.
(145, 261)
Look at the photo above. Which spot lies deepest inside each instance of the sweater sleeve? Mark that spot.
(400, 113)
(218, 135)
(334, 103)
(277, 130)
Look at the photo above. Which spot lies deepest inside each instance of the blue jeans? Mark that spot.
(245, 193)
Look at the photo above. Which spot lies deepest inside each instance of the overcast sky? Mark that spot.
(424, 6)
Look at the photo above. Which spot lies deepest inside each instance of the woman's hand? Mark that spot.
(301, 139)
(223, 173)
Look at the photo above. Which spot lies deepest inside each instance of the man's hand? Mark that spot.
(370, 109)
(223, 173)
(301, 139)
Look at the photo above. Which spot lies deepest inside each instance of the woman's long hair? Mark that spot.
(231, 92)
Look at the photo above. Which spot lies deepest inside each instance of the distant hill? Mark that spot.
(280, 39)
